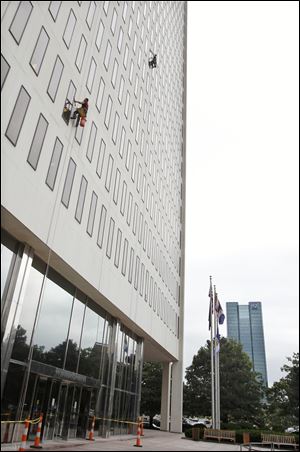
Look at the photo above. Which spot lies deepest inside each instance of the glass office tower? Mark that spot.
(245, 325)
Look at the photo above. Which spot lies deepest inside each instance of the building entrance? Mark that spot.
(66, 408)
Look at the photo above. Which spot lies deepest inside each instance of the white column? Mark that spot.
(176, 397)
(165, 397)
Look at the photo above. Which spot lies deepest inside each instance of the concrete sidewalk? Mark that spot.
(151, 441)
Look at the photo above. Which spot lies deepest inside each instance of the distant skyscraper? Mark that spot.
(245, 325)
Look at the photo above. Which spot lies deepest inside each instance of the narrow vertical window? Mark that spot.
(108, 112)
(107, 55)
(91, 144)
(121, 89)
(146, 285)
(93, 207)
(68, 106)
(131, 260)
(91, 75)
(122, 142)
(129, 209)
(65, 199)
(106, 7)
(69, 30)
(81, 199)
(110, 166)
(37, 142)
(133, 168)
(110, 238)
(55, 78)
(5, 67)
(128, 156)
(18, 115)
(39, 51)
(117, 186)
(54, 9)
(91, 14)
(137, 272)
(101, 156)
(135, 218)
(124, 259)
(101, 226)
(114, 73)
(123, 198)
(54, 164)
(113, 21)
(120, 39)
(115, 128)
(99, 36)
(20, 20)
(81, 53)
(142, 279)
(118, 248)
(100, 94)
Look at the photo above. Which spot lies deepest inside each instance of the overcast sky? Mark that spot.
(242, 168)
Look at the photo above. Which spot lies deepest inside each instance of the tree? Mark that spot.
(151, 389)
(283, 397)
(240, 390)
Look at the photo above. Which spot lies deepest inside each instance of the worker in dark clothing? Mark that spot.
(81, 111)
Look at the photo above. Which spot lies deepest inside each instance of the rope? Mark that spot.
(118, 420)
(32, 421)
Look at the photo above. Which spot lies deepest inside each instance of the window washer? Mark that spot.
(81, 111)
(152, 61)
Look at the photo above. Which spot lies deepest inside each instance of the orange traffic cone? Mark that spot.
(24, 436)
(37, 438)
(138, 437)
(91, 432)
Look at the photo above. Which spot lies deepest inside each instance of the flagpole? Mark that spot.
(217, 362)
(212, 353)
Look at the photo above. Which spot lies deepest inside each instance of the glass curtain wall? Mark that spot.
(70, 360)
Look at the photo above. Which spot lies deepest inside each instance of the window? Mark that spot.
(142, 279)
(39, 51)
(118, 248)
(113, 21)
(132, 117)
(69, 102)
(116, 128)
(65, 199)
(81, 199)
(54, 9)
(135, 217)
(138, 182)
(99, 35)
(122, 142)
(131, 72)
(146, 285)
(81, 53)
(91, 75)
(20, 20)
(78, 134)
(137, 272)
(91, 14)
(123, 198)
(18, 115)
(124, 259)
(5, 67)
(141, 228)
(114, 73)
(37, 142)
(100, 94)
(130, 27)
(128, 156)
(120, 39)
(105, 7)
(101, 226)
(109, 172)
(133, 168)
(91, 145)
(101, 158)
(129, 209)
(69, 30)
(108, 112)
(110, 238)
(117, 186)
(93, 207)
(130, 270)
(121, 89)
(54, 164)
(125, 7)
(107, 55)
(55, 78)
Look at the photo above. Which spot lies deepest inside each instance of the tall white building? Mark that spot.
(92, 218)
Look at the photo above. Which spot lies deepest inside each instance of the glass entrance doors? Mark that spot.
(66, 408)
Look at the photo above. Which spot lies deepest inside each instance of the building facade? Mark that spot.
(245, 325)
(92, 217)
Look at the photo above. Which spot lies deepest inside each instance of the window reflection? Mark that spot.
(51, 335)
(74, 336)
